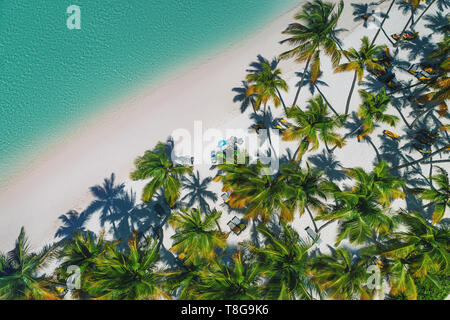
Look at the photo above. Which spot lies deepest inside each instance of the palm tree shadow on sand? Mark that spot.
(106, 197)
(328, 163)
(438, 22)
(73, 222)
(365, 13)
(197, 192)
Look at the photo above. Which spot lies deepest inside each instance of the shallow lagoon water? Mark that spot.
(53, 78)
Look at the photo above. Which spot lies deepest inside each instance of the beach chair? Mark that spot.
(213, 157)
(406, 36)
(423, 148)
(236, 225)
(385, 58)
(226, 196)
(414, 68)
(314, 236)
(391, 134)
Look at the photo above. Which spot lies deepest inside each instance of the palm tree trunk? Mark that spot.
(347, 106)
(264, 115)
(421, 114)
(382, 22)
(404, 29)
(324, 98)
(325, 224)
(387, 37)
(424, 11)
(420, 160)
(403, 118)
(312, 219)
(301, 82)
(282, 101)
(437, 161)
(431, 169)
(374, 148)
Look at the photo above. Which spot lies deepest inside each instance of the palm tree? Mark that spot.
(265, 85)
(315, 34)
(384, 20)
(131, 275)
(341, 275)
(183, 281)
(359, 60)
(106, 196)
(313, 125)
(373, 110)
(236, 281)
(420, 251)
(284, 260)
(195, 235)
(362, 210)
(82, 251)
(157, 166)
(198, 192)
(306, 189)
(19, 268)
(255, 189)
(439, 195)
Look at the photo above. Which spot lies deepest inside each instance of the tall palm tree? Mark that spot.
(196, 236)
(19, 268)
(312, 126)
(386, 15)
(157, 166)
(362, 210)
(284, 260)
(236, 281)
(82, 251)
(359, 60)
(341, 275)
(306, 189)
(265, 85)
(131, 275)
(373, 110)
(422, 250)
(106, 196)
(255, 189)
(439, 195)
(314, 31)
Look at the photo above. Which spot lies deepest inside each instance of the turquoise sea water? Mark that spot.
(51, 78)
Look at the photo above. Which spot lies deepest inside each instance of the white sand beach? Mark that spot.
(59, 180)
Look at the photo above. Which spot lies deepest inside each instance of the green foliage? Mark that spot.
(157, 166)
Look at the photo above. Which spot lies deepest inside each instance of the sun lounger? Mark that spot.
(314, 236)
(236, 225)
(406, 36)
(226, 196)
(391, 134)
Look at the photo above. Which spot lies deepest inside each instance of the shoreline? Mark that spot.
(49, 144)
(143, 101)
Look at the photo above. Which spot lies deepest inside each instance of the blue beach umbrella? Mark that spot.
(222, 143)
